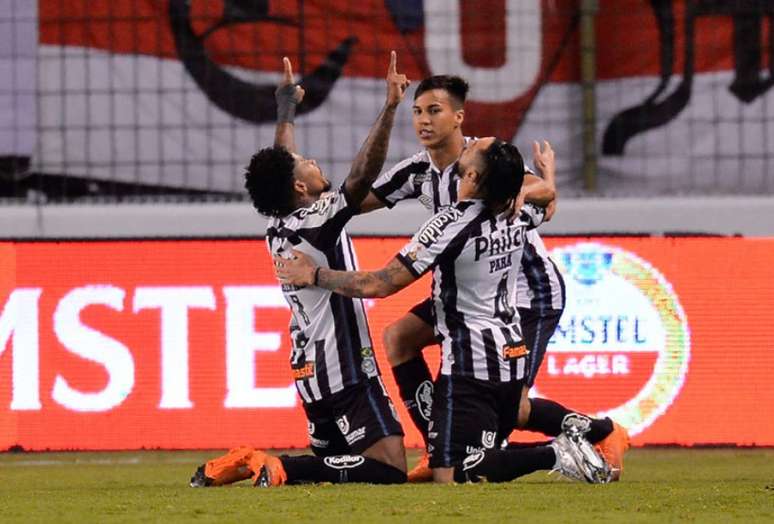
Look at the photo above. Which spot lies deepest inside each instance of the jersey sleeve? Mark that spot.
(321, 223)
(425, 248)
(398, 183)
(532, 215)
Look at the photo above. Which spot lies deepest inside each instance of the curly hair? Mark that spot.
(456, 86)
(269, 180)
(503, 173)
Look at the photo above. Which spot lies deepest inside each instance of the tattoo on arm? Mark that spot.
(370, 159)
(366, 284)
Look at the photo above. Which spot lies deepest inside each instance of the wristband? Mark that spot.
(316, 275)
(286, 103)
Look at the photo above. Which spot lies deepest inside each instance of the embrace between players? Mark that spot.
(496, 299)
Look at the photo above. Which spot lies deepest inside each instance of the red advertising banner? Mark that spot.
(183, 344)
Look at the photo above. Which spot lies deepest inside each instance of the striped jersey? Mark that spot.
(475, 258)
(331, 343)
(541, 286)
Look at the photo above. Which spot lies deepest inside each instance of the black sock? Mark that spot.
(502, 465)
(415, 386)
(340, 468)
(546, 417)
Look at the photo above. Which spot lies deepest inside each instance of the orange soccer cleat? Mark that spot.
(421, 472)
(231, 467)
(267, 470)
(613, 447)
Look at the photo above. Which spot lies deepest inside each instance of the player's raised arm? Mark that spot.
(302, 271)
(288, 95)
(541, 191)
(370, 158)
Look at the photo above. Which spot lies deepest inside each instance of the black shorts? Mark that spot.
(537, 328)
(468, 415)
(352, 420)
(425, 311)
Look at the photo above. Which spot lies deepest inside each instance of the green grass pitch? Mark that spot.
(659, 485)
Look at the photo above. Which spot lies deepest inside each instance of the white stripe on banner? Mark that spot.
(18, 50)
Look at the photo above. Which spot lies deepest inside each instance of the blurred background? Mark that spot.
(125, 121)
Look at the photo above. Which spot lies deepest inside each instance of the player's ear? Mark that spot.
(299, 187)
(459, 117)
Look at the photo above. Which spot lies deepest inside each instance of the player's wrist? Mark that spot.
(316, 275)
(286, 103)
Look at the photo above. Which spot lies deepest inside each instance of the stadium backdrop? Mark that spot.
(183, 343)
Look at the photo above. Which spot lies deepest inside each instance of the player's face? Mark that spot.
(307, 171)
(435, 118)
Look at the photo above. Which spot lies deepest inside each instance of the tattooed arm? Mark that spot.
(370, 159)
(301, 271)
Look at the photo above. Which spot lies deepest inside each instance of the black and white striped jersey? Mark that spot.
(417, 177)
(475, 258)
(331, 343)
(540, 286)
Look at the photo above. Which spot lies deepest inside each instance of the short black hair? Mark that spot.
(456, 86)
(503, 173)
(269, 180)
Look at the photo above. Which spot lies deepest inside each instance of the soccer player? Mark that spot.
(474, 249)
(353, 426)
(431, 177)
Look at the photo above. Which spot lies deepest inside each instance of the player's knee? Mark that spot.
(399, 344)
(389, 451)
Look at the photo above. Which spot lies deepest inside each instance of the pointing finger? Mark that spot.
(288, 73)
(393, 63)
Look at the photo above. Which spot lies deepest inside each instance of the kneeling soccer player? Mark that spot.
(353, 427)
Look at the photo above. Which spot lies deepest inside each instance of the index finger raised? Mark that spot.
(288, 70)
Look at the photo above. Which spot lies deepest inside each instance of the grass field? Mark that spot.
(659, 485)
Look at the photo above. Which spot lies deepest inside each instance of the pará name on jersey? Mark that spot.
(474, 256)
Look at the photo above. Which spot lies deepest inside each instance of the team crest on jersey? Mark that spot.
(623, 333)
(368, 364)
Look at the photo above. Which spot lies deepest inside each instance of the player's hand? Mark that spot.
(543, 156)
(296, 271)
(396, 82)
(288, 79)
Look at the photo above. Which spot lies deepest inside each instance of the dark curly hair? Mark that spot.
(456, 86)
(503, 173)
(269, 180)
